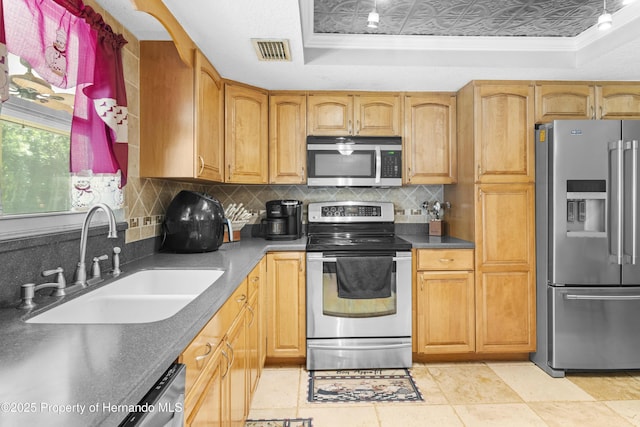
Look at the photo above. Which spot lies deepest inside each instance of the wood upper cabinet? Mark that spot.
(618, 101)
(445, 301)
(343, 114)
(209, 121)
(505, 268)
(564, 101)
(587, 100)
(181, 115)
(246, 134)
(286, 324)
(430, 138)
(287, 138)
(504, 132)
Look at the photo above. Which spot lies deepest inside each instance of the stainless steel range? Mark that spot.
(358, 288)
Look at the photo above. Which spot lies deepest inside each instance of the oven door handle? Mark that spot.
(378, 164)
(335, 259)
(358, 347)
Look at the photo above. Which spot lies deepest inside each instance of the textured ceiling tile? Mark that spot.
(535, 18)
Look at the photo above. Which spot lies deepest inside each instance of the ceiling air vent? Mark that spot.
(272, 50)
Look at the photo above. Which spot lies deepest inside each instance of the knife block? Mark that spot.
(437, 227)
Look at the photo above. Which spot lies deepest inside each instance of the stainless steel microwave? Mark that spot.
(354, 161)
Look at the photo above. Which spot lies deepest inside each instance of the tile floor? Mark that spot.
(465, 394)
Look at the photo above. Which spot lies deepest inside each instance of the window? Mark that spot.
(68, 44)
(35, 127)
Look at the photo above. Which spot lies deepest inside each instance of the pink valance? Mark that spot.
(69, 45)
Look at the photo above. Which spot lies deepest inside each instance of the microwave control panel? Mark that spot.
(391, 164)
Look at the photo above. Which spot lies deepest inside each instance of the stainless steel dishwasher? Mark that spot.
(163, 405)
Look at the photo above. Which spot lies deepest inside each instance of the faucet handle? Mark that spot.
(60, 280)
(95, 269)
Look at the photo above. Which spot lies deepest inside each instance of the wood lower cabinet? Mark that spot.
(430, 138)
(286, 323)
(587, 100)
(212, 408)
(225, 359)
(364, 114)
(505, 268)
(256, 324)
(445, 302)
(246, 134)
(238, 395)
(287, 138)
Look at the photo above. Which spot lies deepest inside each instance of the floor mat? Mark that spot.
(294, 422)
(360, 385)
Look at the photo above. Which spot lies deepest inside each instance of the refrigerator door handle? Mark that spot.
(633, 147)
(616, 221)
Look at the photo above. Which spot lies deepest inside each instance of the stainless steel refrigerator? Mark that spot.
(587, 244)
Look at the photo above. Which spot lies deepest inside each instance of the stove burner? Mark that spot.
(357, 231)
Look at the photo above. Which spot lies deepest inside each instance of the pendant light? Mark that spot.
(374, 17)
(605, 20)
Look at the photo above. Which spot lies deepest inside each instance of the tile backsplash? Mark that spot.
(150, 198)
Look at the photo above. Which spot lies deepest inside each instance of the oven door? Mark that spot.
(331, 316)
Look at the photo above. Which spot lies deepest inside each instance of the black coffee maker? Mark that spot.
(284, 220)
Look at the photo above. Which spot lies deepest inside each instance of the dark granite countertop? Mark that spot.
(424, 241)
(86, 375)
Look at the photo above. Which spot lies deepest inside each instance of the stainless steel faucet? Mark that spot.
(80, 277)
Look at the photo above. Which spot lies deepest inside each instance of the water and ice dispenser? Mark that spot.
(586, 208)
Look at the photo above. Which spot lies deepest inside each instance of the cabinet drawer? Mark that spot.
(201, 349)
(445, 259)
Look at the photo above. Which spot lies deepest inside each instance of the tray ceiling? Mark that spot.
(478, 18)
(420, 45)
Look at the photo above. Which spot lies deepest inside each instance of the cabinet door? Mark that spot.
(504, 130)
(445, 312)
(166, 112)
(238, 394)
(618, 101)
(211, 409)
(256, 338)
(287, 139)
(430, 139)
(329, 114)
(209, 121)
(377, 115)
(564, 101)
(505, 268)
(286, 330)
(246, 135)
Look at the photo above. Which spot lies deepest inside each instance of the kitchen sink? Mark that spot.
(141, 297)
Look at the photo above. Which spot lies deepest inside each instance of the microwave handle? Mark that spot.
(378, 164)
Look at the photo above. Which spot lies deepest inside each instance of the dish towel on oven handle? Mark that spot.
(364, 277)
